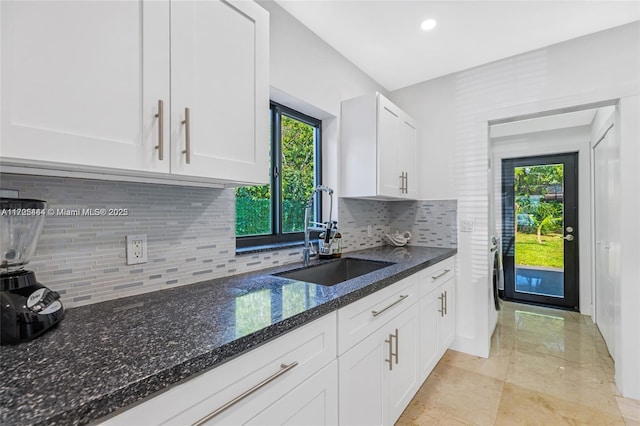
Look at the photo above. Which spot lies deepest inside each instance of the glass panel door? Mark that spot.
(540, 230)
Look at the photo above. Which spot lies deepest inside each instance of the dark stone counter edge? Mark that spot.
(140, 390)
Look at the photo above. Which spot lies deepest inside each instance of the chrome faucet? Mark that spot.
(308, 251)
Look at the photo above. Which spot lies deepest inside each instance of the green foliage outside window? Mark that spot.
(253, 203)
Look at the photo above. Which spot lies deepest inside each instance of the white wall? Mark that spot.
(573, 139)
(589, 69)
(628, 336)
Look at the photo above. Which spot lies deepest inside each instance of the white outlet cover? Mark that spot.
(467, 225)
(132, 259)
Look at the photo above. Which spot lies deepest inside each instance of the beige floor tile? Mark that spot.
(521, 406)
(546, 367)
(630, 408)
(456, 395)
(584, 384)
(496, 366)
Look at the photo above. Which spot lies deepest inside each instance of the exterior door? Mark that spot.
(540, 229)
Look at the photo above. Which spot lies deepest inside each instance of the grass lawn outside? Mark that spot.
(549, 254)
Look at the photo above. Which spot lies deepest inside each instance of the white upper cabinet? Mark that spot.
(81, 81)
(379, 150)
(219, 71)
(102, 86)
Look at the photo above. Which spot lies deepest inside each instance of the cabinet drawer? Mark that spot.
(435, 275)
(363, 317)
(312, 346)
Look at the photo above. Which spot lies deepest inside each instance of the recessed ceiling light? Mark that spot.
(428, 25)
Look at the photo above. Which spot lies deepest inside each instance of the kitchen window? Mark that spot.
(273, 214)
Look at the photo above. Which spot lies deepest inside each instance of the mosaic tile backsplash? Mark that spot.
(190, 234)
(431, 223)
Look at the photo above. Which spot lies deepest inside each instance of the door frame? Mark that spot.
(513, 147)
(571, 299)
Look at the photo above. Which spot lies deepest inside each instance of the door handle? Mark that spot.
(390, 360)
(442, 309)
(446, 302)
(396, 354)
(160, 116)
(568, 237)
(187, 134)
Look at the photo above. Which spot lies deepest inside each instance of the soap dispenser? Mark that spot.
(336, 247)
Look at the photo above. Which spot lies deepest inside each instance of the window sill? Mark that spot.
(269, 247)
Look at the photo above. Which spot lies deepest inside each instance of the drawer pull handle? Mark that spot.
(160, 117)
(402, 297)
(283, 369)
(446, 271)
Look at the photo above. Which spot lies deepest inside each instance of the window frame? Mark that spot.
(277, 237)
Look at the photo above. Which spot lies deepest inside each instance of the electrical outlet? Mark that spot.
(467, 225)
(136, 249)
(369, 231)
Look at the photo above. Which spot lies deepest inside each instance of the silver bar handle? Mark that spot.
(160, 116)
(406, 182)
(446, 302)
(396, 354)
(283, 369)
(187, 134)
(442, 310)
(390, 360)
(446, 271)
(402, 297)
(402, 182)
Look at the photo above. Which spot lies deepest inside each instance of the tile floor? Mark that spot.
(547, 367)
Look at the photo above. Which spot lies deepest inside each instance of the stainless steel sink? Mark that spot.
(334, 272)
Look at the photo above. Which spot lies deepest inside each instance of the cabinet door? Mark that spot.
(448, 321)
(389, 130)
(403, 377)
(430, 307)
(314, 402)
(408, 156)
(81, 82)
(219, 71)
(362, 382)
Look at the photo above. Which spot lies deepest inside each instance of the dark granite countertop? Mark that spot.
(105, 356)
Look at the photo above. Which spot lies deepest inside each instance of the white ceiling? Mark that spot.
(384, 39)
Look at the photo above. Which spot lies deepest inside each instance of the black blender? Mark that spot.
(28, 307)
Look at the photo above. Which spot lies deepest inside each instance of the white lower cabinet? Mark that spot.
(379, 376)
(430, 306)
(403, 371)
(296, 372)
(437, 325)
(314, 402)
